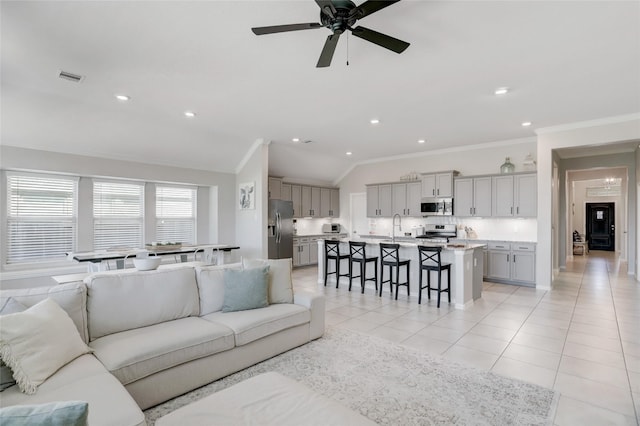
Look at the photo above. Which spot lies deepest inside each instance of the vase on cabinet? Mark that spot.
(508, 166)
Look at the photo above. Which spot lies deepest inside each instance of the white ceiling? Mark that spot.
(566, 61)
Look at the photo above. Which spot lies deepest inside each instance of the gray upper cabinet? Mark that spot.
(526, 195)
(334, 211)
(514, 195)
(325, 202)
(379, 200)
(406, 198)
(438, 185)
(306, 202)
(296, 198)
(473, 197)
(285, 193)
(275, 188)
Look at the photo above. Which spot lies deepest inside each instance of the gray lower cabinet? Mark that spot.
(305, 251)
(511, 262)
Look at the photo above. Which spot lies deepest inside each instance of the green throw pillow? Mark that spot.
(62, 413)
(245, 289)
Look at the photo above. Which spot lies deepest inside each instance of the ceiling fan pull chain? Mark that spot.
(347, 49)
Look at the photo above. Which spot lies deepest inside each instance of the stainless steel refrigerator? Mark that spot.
(280, 229)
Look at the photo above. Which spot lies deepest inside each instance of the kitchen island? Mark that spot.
(466, 266)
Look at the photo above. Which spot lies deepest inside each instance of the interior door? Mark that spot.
(601, 228)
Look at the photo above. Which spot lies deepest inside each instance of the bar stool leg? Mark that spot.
(363, 273)
(408, 285)
(397, 280)
(449, 284)
(429, 284)
(326, 271)
(439, 286)
(337, 272)
(419, 286)
(375, 268)
(350, 273)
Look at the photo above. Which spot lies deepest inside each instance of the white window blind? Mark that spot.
(41, 217)
(118, 211)
(175, 214)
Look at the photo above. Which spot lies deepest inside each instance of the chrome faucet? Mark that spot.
(393, 226)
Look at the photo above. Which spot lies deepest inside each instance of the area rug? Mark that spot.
(396, 385)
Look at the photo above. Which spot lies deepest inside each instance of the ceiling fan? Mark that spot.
(339, 16)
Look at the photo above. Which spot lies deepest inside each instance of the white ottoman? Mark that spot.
(266, 399)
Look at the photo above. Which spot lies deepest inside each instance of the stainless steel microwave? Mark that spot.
(436, 207)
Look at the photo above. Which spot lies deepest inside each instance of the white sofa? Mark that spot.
(158, 334)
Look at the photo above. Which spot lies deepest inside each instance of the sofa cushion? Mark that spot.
(35, 343)
(72, 297)
(211, 286)
(125, 300)
(67, 413)
(257, 323)
(134, 354)
(11, 306)
(86, 379)
(280, 281)
(245, 289)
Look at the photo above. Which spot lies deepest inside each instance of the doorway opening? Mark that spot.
(601, 227)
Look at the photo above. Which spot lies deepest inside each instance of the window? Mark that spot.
(117, 214)
(41, 217)
(176, 214)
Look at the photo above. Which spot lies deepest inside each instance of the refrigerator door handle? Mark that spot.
(278, 224)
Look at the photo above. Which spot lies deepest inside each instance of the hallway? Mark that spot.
(582, 338)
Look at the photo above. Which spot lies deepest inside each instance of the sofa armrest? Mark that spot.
(315, 303)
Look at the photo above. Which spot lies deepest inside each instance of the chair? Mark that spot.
(332, 252)
(430, 261)
(389, 257)
(359, 256)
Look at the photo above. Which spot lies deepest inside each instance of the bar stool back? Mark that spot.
(359, 256)
(389, 257)
(430, 261)
(332, 252)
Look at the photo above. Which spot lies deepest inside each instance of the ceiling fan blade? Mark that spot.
(327, 51)
(370, 6)
(284, 28)
(327, 7)
(380, 39)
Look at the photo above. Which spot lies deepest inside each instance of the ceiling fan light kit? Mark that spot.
(340, 16)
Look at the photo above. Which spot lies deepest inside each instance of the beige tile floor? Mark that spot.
(582, 338)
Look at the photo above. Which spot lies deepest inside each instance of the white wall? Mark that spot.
(251, 224)
(216, 192)
(637, 265)
(601, 132)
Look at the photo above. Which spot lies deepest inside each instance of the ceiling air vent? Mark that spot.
(307, 141)
(70, 76)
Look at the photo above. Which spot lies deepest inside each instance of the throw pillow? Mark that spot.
(67, 413)
(11, 306)
(37, 342)
(245, 289)
(280, 281)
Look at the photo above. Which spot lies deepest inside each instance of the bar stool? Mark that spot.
(332, 252)
(389, 257)
(358, 255)
(430, 261)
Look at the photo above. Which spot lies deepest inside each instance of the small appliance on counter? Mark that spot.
(416, 231)
(331, 228)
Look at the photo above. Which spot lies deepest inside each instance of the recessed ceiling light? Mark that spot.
(296, 139)
(501, 91)
(349, 152)
(122, 98)
(374, 121)
(421, 141)
(526, 123)
(190, 114)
